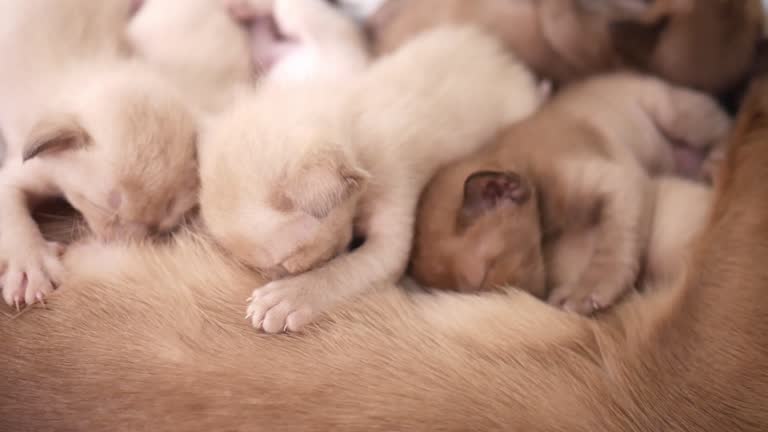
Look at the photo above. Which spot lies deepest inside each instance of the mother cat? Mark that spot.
(151, 339)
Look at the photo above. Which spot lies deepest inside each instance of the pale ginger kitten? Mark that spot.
(562, 204)
(84, 123)
(290, 175)
(298, 40)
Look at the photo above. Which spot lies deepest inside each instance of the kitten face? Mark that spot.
(128, 163)
(479, 230)
(293, 224)
(281, 195)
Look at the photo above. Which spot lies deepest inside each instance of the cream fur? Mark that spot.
(290, 173)
(85, 123)
(198, 45)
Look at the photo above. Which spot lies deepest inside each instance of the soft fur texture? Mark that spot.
(297, 40)
(562, 203)
(198, 45)
(84, 122)
(290, 174)
(148, 338)
(705, 44)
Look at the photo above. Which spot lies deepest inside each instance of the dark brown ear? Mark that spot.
(55, 134)
(485, 191)
(321, 189)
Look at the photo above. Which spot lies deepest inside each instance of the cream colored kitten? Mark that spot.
(84, 123)
(196, 43)
(297, 40)
(291, 174)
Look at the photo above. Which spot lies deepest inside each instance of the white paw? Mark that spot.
(284, 305)
(29, 275)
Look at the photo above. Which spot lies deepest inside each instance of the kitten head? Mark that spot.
(478, 230)
(279, 186)
(124, 156)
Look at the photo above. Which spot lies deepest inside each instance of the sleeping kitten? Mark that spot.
(291, 174)
(571, 183)
(296, 40)
(84, 123)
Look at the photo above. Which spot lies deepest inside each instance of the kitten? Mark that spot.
(198, 45)
(84, 122)
(708, 45)
(571, 183)
(297, 40)
(288, 175)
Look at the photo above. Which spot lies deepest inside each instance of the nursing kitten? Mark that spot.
(291, 174)
(708, 45)
(83, 122)
(297, 40)
(571, 183)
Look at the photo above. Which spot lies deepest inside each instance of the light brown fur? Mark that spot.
(708, 45)
(290, 174)
(561, 204)
(160, 347)
(86, 123)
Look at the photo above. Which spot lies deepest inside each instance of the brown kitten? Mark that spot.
(561, 204)
(289, 175)
(708, 45)
(160, 346)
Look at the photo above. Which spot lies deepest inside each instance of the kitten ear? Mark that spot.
(54, 134)
(485, 191)
(321, 189)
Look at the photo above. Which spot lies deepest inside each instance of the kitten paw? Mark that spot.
(284, 305)
(31, 275)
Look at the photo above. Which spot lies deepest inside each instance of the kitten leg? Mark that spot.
(31, 265)
(620, 202)
(291, 303)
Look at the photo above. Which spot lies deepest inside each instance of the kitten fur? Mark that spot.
(289, 175)
(708, 45)
(298, 40)
(160, 346)
(561, 204)
(198, 44)
(120, 149)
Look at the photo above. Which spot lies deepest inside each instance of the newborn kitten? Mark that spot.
(197, 44)
(571, 183)
(290, 175)
(708, 45)
(296, 40)
(84, 123)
